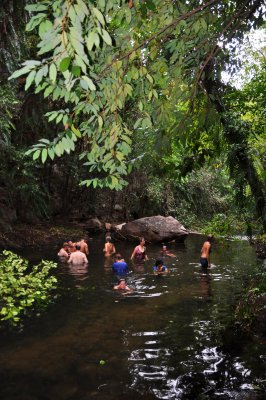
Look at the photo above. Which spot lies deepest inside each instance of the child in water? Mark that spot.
(122, 286)
(159, 268)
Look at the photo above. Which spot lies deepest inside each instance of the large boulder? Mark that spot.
(94, 225)
(154, 229)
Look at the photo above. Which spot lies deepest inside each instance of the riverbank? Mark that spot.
(22, 235)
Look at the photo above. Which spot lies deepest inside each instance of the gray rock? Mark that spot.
(94, 225)
(154, 229)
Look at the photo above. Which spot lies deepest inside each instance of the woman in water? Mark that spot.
(139, 253)
(109, 248)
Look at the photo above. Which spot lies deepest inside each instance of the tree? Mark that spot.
(111, 67)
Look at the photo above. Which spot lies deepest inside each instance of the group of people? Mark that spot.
(76, 254)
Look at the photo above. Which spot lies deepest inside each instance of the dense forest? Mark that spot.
(124, 109)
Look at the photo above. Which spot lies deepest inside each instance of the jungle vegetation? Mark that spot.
(125, 102)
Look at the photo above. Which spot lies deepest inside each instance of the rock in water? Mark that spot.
(154, 229)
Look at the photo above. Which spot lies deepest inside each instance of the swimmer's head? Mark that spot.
(142, 240)
(158, 263)
(77, 247)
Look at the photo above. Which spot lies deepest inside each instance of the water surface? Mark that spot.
(165, 340)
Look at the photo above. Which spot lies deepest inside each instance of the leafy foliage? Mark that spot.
(22, 290)
(8, 106)
(99, 56)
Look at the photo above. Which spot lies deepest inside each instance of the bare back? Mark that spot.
(206, 249)
(109, 249)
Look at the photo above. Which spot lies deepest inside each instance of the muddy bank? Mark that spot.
(41, 234)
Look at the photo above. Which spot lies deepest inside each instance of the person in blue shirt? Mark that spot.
(119, 267)
(159, 268)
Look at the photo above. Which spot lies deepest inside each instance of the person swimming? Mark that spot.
(122, 286)
(166, 252)
(159, 268)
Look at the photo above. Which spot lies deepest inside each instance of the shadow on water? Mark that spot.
(161, 341)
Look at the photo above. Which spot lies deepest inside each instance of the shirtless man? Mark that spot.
(84, 248)
(109, 248)
(77, 257)
(63, 252)
(205, 260)
(71, 246)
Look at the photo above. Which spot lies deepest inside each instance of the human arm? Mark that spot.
(133, 254)
(87, 252)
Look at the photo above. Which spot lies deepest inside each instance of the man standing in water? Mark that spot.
(77, 257)
(205, 260)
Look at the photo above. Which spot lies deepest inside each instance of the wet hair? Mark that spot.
(118, 256)
(158, 262)
(77, 247)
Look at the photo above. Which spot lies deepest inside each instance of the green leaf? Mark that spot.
(76, 70)
(76, 131)
(51, 153)
(30, 79)
(83, 6)
(20, 72)
(36, 154)
(53, 72)
(98, 15)
(90, 40)
(89, 82)
(36, 7)
(44, 155)
(46, 141)
(96, 39)
(44, 27)
(64, 64)
(57, 150)
(106, 37)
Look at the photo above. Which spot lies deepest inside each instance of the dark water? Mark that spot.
(163, 341)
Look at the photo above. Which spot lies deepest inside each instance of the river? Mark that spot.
(165, 340)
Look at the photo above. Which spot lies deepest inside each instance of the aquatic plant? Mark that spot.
(23, 288)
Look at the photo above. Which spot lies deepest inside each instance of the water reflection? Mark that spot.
(108, 262)
(80, 272)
